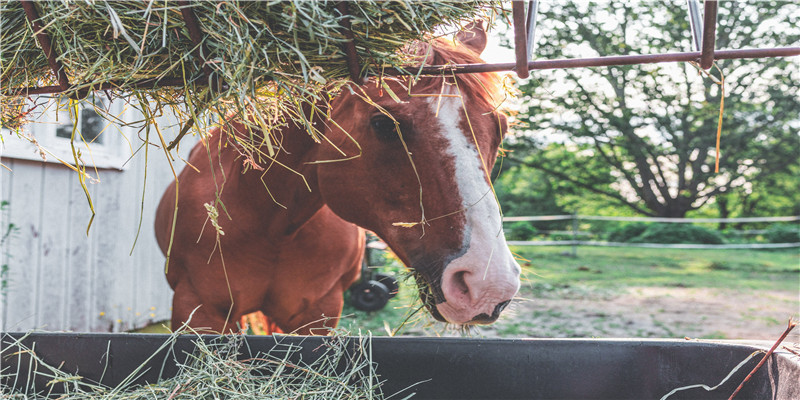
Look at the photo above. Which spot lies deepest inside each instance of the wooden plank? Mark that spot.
(155, 294)
(24, 248)
(143, 246)
(5, 190)
(80, 264)
(52, 287)
(112, 275)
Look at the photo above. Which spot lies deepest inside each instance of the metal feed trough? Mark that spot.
(446, 368)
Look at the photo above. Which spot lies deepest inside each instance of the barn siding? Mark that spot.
(60, 279)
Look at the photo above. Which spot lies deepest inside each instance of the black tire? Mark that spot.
(369, 296)
(389, 281)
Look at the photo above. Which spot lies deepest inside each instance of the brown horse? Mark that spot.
(424, 159)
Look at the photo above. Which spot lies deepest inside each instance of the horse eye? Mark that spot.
(384, 127)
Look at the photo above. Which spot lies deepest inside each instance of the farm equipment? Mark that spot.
(373, 291)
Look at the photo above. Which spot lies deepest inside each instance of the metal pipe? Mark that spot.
(200, 50)
(709, 33)
(353, 66)
(520, 38)
(530, 26)
(599, 61)
(46, 44)
(695, 23)
(480, 68)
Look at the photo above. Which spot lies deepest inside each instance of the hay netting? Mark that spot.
(271, 57)
(222, 368)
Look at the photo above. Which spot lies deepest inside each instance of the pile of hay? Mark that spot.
(218, 369)
(271, 56)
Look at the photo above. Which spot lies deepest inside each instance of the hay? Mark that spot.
(273, 57)
(217, 370)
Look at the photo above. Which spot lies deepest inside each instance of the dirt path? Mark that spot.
(673, 312)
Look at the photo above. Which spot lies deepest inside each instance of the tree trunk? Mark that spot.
(724, 211)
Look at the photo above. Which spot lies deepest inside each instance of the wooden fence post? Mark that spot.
(574, 234)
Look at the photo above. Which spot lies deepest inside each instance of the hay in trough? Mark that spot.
(225, 367)
(270, 58)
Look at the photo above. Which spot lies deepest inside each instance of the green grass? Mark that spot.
(599, 272)
(615, 267)
(401, 309)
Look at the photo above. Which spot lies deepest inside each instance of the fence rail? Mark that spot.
(575, 233)
(653, 219)
(652, 245)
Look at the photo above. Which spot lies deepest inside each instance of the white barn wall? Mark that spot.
(60, 279)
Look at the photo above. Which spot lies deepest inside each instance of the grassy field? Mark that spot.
(553, 282)
(615, 267)
(599, 273)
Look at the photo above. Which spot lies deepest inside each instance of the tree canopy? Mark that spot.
(644, 136)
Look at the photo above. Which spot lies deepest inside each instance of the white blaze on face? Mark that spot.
(485, 277)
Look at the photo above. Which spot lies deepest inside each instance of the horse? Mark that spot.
(417, 174)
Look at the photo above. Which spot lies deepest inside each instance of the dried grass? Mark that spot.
(274, 57)
(216, 369)
(279, 63)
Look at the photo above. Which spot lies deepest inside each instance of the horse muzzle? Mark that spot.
(476, 295)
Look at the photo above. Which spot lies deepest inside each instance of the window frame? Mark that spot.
(112, 151)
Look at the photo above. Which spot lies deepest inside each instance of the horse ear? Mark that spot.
(473, 36)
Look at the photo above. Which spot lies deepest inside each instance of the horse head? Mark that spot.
(417, 174)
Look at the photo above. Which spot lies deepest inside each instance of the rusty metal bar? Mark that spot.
(47, 48)
(600, 61)
(144, 84)
(530, 26)
(350, 45)
(520, 38)
(200, 50)
(480, 68)
(709, 33)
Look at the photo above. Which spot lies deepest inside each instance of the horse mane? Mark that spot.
(485, 87)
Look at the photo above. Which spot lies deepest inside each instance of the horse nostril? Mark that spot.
(460, 282)
(499, 308)
(488, 319)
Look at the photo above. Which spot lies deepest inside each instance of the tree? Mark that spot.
(654, 126)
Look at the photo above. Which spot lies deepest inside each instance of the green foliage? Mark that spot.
(626, 232)
(651, 127)
(639, 232)
(677, 233)
(780, 233)
(525, 191)
(521, 230)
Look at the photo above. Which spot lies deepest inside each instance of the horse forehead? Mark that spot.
(460, 117)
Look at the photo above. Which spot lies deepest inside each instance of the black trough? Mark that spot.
(456, 368)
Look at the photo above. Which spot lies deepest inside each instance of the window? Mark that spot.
(102, 144)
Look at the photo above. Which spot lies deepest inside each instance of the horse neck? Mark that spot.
(285, 192)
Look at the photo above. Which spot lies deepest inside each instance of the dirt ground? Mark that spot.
(654, 312)
(636, 312)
